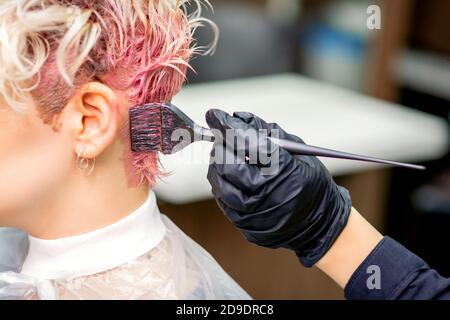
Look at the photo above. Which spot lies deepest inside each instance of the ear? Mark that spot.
(94, 118)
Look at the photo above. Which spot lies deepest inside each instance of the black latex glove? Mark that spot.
(299, 207)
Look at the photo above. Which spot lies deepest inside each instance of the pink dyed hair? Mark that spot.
(140, 47)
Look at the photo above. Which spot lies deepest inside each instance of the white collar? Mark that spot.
(99, 250)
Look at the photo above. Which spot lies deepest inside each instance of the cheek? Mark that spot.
(33, 159)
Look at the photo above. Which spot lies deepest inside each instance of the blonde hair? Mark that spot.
(48, 48)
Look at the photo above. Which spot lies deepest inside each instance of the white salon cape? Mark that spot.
(142, 256)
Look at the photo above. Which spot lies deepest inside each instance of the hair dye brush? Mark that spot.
(152, 128)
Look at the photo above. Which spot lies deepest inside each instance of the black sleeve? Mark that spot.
(393, 272)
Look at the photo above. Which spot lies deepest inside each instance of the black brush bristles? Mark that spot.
(145, 128)
(158, 127)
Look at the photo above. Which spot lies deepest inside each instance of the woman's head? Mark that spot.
(69, 71)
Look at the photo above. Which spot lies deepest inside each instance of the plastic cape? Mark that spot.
(175, 268)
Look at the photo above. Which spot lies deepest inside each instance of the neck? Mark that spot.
(86, 212)
(97, 251)
(84, 204)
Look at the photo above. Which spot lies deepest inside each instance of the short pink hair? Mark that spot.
(141, 47)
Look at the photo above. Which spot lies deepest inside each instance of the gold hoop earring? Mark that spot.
(84, 163)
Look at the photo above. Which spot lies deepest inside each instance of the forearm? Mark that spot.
(351, 248)
(403, 275)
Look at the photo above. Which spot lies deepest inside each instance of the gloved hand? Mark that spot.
(298, 207)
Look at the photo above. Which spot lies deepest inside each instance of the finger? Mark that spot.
(257, 189)
(230, 197)
(250, 164)
(244, 176)
(240, 138)
(247, 117)
(218, 119)
(251, 119)
(247, 176)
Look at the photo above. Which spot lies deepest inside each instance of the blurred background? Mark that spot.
(407, 61)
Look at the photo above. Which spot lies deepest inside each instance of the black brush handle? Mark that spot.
(307, 150)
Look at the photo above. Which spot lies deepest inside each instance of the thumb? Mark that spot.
(222, 121)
